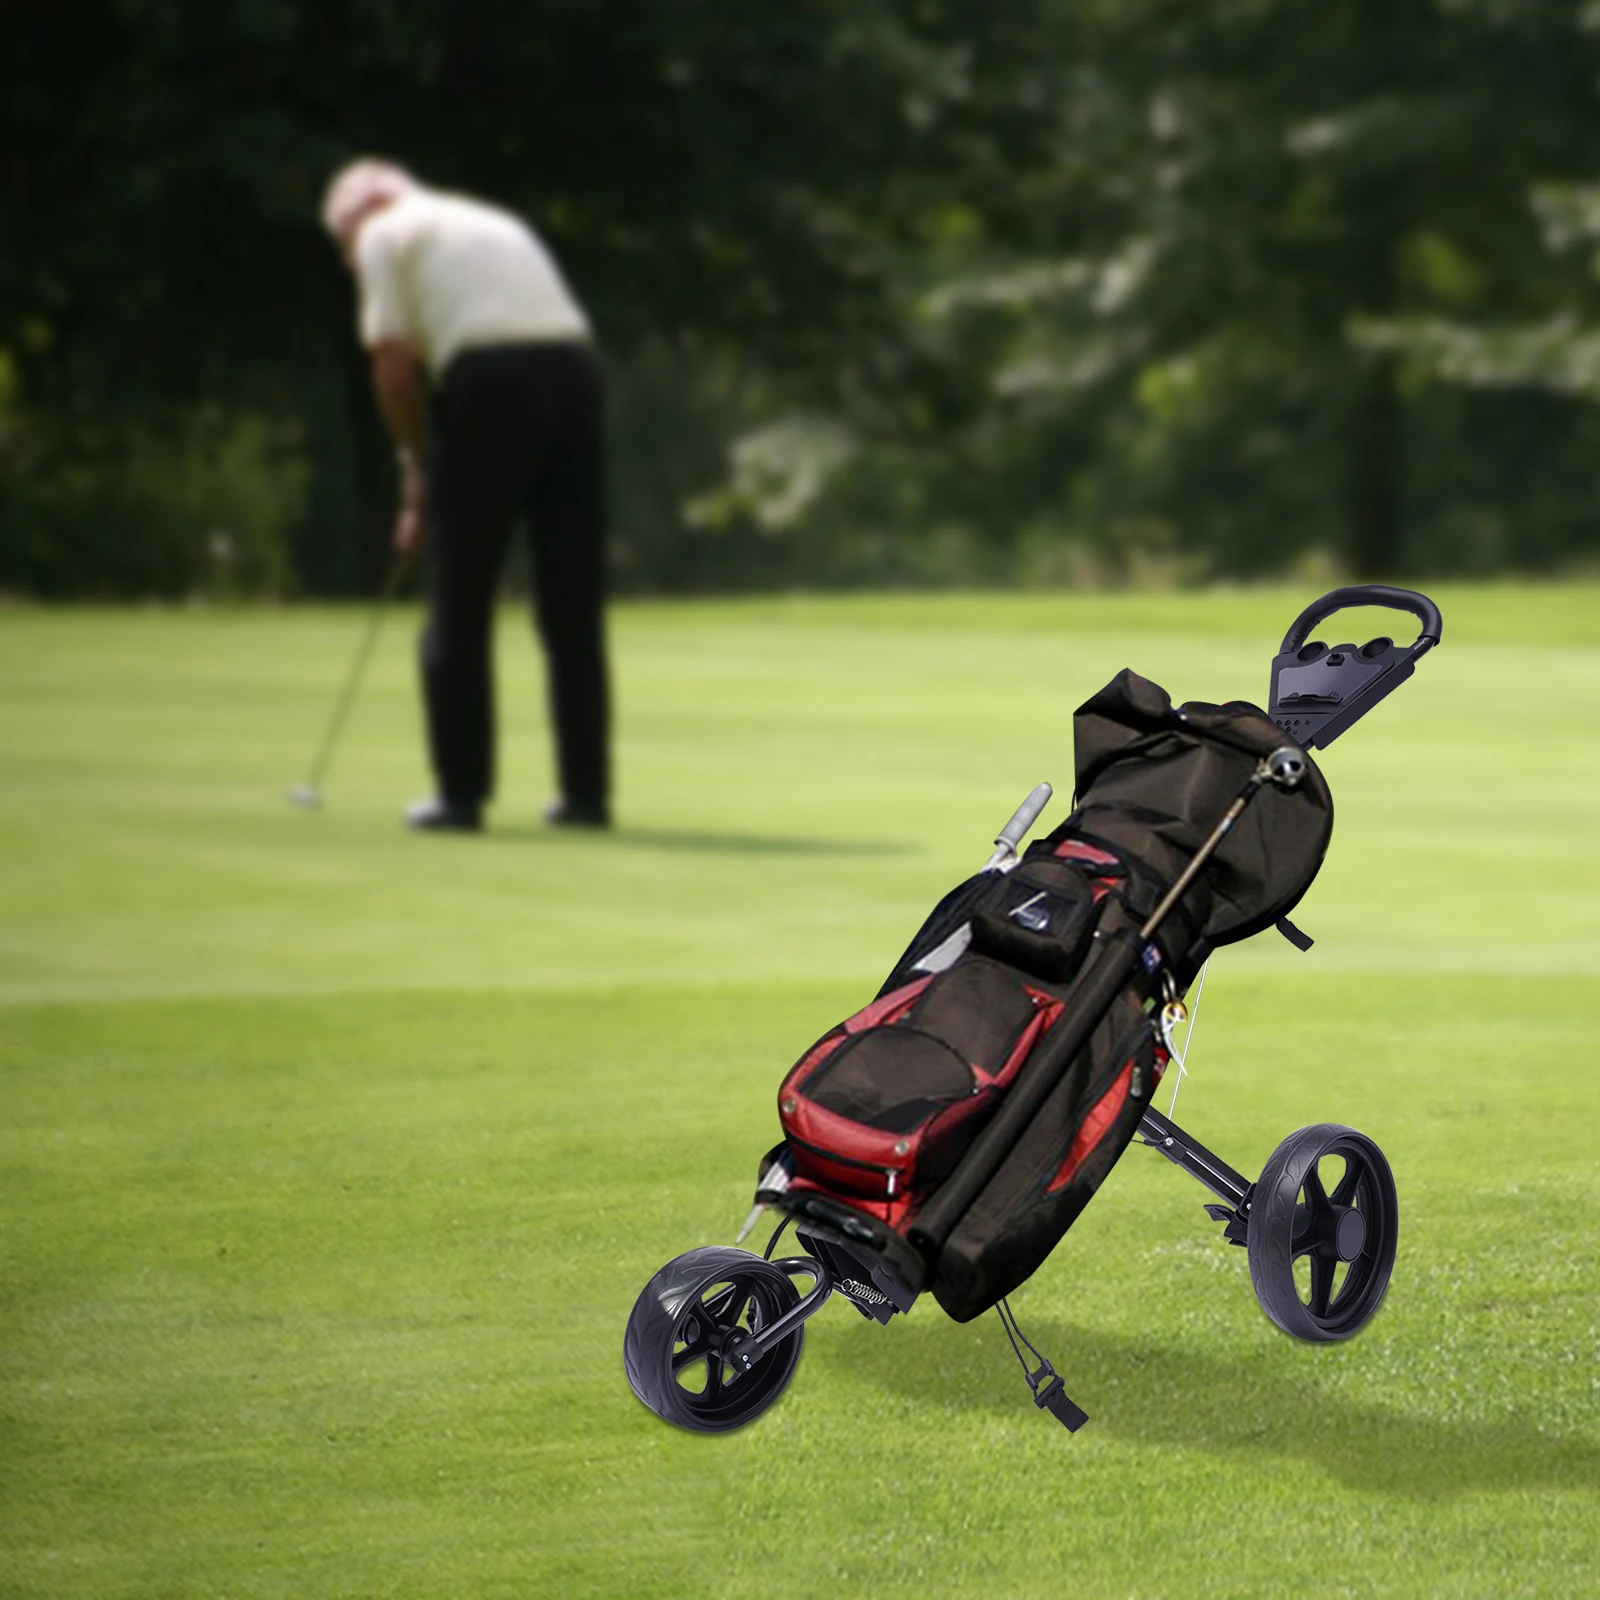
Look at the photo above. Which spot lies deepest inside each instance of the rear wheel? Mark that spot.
(1324, 1226)
(673, 1349)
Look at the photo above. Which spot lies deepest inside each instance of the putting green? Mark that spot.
(334, 1157)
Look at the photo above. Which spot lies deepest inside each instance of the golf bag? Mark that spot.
(1012, 967)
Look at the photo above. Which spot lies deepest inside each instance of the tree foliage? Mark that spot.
(889, 288)
(1274, 176)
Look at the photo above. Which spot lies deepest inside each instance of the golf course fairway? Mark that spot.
(334, 1157)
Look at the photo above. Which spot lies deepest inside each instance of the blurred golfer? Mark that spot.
(512, 429)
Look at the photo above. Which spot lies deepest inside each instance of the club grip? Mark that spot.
(1023, 818)
(1365, 594)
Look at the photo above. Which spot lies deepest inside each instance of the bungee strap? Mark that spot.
(1049, 1393)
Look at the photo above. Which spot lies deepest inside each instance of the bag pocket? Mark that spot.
(1037, 918)
(891, 1078)
(889, 1108)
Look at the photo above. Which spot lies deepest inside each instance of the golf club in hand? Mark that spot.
(308, 795)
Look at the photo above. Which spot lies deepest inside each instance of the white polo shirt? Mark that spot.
(451, 274)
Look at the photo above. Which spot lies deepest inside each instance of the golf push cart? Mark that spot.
(945, 1137)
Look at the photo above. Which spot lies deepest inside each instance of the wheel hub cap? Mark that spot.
(1350, 1235)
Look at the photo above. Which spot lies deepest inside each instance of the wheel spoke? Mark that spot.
(1303, 1238)
(714, 1310)
(683, 1358)
(1347, 1184)
(1316, 1195)
(1322, 1266)
(698, 1333)
(713, 1389)
(1337, 1283)
(1356, 1274)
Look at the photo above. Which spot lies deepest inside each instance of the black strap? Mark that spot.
(1049, 1393)
(1301, 941)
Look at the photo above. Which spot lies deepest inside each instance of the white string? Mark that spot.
(1188, 1039)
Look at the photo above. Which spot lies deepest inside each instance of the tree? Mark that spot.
(711, 175)
(1250, 182)
(1060, 286)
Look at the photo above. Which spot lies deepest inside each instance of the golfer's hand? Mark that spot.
(411, 521)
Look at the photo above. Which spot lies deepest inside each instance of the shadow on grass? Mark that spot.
(1265, 1403)
(724, 844)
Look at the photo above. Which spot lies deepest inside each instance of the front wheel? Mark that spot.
(673, 1349)
(1324, 1226)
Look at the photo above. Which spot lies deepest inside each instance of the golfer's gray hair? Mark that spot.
(358, 186)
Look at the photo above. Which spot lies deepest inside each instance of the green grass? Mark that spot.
(333, 1158)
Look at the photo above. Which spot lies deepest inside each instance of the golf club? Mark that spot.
(308, 795)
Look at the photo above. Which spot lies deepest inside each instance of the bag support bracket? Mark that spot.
(1183, 1150)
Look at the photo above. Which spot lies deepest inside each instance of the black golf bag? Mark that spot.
(879, 1112)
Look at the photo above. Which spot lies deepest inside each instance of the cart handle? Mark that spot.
(1366, 594)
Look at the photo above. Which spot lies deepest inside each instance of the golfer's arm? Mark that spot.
(398, 386)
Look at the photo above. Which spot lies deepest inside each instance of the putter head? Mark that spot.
(304, 796)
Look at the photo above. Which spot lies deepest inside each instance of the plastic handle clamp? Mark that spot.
(1316, 692)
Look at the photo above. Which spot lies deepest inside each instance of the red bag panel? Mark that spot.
(885, 1104)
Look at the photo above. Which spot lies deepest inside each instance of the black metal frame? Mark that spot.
(1184, 1150)
(743, 1349)
(1160, 1133)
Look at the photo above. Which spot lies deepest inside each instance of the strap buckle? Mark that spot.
(1050, 1394)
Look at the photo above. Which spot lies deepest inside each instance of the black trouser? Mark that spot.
(517, 433)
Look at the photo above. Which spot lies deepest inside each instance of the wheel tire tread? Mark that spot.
(654, 1317)
(1271, 1268)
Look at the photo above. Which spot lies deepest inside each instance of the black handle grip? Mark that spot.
(1365, 594)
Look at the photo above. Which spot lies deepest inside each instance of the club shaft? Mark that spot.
(358, 667)
(1201, 856)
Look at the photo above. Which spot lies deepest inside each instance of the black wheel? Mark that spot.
(1324, 1224)
(673, 1348)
